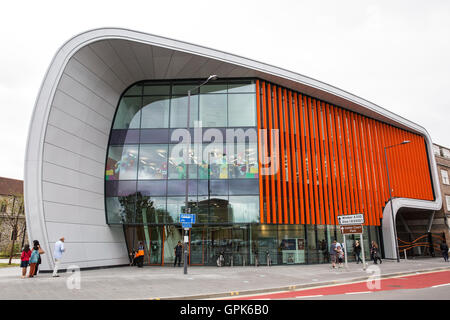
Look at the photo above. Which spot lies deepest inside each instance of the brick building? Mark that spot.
(442, 156)
(12, 215)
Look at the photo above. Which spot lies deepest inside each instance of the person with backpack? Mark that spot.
(334, 253)
(340, 254)
(37, 244)
(25, 259)
(444, 249)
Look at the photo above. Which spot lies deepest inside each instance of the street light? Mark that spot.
(394, 227)
(186, 205)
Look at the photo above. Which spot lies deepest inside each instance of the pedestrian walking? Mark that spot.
(34, 258)
(333, 254)
(25, 259)
(357, 251)
(375, 252)
(57, 255)
(340, 254)
(444, 249)
(178, 250)
(38, 245)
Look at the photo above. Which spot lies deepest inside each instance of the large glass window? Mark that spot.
(178, 111)
(213, 110)
(242, 110)
(122, 162)
(152, 161)
(128, 114)
(155, 112)
(146, 170)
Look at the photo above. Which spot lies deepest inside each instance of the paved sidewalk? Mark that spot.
(199, 283)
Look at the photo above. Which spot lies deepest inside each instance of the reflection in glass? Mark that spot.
(153, 161)
(177, 167)
(213, 110)
(150, 209)
(245, 209)
(247, 86)
(128, 114)
(244, 161)
(178, 111)
(157, 89)
(241, 110)
(214, 88)
(122, 162)
(155, 112)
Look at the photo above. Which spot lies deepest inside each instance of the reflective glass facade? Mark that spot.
(145, 178)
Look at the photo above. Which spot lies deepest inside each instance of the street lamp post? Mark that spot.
(186, 205)
(390, 197)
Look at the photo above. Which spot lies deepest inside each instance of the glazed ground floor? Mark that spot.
(244, 244)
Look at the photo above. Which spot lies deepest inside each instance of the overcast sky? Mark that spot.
(395, 54)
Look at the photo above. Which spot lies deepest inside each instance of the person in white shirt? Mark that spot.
(57, 255)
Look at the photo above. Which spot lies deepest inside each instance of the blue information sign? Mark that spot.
(187, 218)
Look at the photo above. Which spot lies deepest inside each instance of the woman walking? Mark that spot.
(357, 251)
(34, 259)
(375, 252)
(37, 244)
(25, 259)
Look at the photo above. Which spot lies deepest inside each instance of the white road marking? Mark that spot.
(441, 285)
(318, 295)
(360, 292)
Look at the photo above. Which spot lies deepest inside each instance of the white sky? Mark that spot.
(395, 54)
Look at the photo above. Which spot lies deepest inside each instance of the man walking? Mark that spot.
(57, 255)
(333, 253)
(444, 249)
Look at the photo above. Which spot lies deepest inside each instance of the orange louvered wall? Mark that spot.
(341, 151)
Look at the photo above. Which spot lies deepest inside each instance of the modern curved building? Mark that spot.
(273, 157)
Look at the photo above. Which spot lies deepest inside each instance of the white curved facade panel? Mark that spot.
(72, 118)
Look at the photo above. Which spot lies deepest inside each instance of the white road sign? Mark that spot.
(351, 219)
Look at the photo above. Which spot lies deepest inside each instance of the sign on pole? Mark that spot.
(351, 229)
(351, 219)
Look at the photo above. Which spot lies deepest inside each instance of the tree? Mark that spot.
(11, 217)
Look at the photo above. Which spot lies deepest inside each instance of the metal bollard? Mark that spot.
(231, 260)
(404, 251)
(268, 259)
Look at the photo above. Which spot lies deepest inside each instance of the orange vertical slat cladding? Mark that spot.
(401, 162)
(364, 172)
(344, 177)
(331, 165)
(319, 157)
(350, 166)
(415, 176)
(359, 164)
(272, 169)
(260, 151)
(313, 166)
(299, 157)
(266, 154)
(356, 177)
(385, 177)
(373, 173)
(303, 145)
(294, 181)
(310, 218)
(323, 162)
(380, 167)
(369, 171)
(377, 171)
(283, 155)
(337, 157)
(411, 186)
(280, 196)
(427, 191)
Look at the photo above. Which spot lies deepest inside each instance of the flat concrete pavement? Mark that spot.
(200, 282)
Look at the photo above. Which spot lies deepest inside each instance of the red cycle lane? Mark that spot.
(417, 281)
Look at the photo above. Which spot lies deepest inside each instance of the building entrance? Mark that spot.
(205, 245)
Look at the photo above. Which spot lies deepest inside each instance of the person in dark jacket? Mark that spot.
(37, 244)
(444, 249)
(178, 250)
(375, 252)
(357, 251)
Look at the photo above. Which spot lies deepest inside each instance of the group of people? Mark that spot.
(337, 253)
(32, 258)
